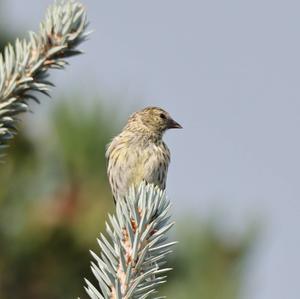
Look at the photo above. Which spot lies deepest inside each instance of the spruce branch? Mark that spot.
(131, 261)
(24, 67)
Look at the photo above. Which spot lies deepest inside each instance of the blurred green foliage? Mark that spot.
(54, 197)
(5, 34)
(206, 263)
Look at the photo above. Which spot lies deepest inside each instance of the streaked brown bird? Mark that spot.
(138, 153)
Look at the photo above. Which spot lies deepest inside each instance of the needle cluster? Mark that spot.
(24, 66)
(132, 257)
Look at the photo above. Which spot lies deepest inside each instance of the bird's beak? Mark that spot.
(172, 124)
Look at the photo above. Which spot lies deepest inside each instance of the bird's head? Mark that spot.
(153, 120)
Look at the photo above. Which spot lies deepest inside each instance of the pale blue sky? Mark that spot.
(229, 72)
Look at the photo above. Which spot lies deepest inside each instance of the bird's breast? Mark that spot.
(130, 163)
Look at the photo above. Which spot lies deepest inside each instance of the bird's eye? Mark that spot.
(162, 116)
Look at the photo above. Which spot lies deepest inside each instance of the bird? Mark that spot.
(139, 153)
